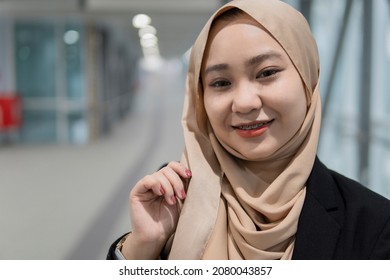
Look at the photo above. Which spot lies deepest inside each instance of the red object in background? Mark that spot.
(10, 111)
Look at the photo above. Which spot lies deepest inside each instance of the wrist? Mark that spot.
(134, 248)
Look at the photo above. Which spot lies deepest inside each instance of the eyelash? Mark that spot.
(270, 71)
(220, 84)
(264, 75)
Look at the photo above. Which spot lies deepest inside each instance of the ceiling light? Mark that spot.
(148, 29)
(141, 20)
(71, 37)
(149, 40)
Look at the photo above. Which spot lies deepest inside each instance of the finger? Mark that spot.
(147, 184)
(180, 169)
(166, 188)
(175, 181)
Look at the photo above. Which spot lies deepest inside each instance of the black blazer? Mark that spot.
(340, 219)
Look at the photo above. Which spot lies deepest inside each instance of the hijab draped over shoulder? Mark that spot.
(231, 210)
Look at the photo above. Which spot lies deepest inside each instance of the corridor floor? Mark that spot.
(71, 202)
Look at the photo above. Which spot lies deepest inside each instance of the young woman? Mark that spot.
(249, 185)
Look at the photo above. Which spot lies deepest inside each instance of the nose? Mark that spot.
(246, 98)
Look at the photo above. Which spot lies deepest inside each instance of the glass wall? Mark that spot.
(6, 58)
(35, 69)
(353, 38)
(379, 167)
(76, 78)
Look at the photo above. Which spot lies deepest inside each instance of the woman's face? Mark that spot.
(253, 95)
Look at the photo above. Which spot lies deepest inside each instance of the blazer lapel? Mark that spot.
(321, 217)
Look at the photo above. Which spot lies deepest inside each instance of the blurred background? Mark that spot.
(91, 95)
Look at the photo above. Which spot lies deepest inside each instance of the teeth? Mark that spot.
(253, 126)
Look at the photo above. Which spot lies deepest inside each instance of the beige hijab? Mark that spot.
(232, 211)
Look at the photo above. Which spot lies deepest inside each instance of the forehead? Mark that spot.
(224, 21)
(243, 31)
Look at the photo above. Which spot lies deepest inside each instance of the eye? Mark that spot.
(267, 73)
(220, 84)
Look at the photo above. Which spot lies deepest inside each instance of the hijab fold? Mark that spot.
(233, 209)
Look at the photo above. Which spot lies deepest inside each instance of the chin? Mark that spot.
(255, 156)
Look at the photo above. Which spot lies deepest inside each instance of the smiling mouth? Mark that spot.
(252, 126)
(252, 130)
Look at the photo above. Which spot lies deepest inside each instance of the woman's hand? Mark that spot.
(154, 211)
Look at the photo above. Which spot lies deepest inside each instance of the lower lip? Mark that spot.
(252, 132)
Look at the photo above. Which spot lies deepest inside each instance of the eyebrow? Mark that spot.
(263, 57)
(252, 61)
(216, 68)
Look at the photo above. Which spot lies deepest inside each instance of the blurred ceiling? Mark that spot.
(177, 21)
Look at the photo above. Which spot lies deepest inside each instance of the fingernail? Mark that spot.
(173, 198)
(162, 190)
(188, 173)
(183, 194)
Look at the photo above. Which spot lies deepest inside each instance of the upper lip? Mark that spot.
(247, 124)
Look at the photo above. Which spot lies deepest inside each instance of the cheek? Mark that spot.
(215, 109)
(207, 107)
(295, 106)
